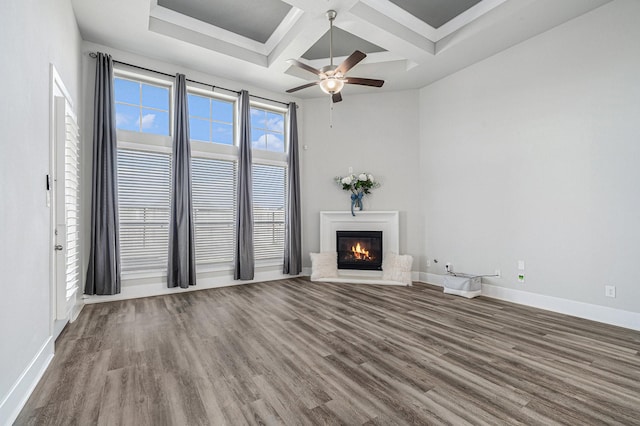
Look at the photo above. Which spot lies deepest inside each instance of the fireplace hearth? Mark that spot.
(360, 250)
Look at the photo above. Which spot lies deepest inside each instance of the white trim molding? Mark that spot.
(603, 314)
(20, 392)
(574, 308)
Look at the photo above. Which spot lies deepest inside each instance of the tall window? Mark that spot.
(267, 130)
(269, 182)
(214, 205)
(268, 211)
(144, 180)
(141, 107)
(143, 120)
(210, 119)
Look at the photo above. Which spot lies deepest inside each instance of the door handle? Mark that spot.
(58, 247)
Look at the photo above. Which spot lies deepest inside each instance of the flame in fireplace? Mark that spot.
(360, 253)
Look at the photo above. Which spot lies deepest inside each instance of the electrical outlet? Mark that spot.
(350, 170)
(449, 267)
(428, 263)
(520, 278)
(520, 265)
(497, 273)
(610, 291)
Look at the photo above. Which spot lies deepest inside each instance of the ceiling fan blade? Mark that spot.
(364, 81)
(305, 67)
(304, 86)
(350, 62)
(336, 97)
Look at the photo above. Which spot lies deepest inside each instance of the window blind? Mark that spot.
(144, 180)
(268, 211)
(214, 205)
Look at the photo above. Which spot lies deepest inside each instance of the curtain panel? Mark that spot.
(293, 232)
(181, 267)
(103, 273)
(244, 256)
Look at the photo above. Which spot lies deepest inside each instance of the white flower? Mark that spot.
(346, 180)
(370, 178)
(362, 177)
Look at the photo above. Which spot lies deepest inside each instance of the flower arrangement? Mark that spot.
(358, 185)
(361, 183)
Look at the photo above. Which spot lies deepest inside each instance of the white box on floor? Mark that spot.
(464, 285)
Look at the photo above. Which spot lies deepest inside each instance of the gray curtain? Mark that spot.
(103, 274)
(244, 260)
(293, 235)
(181, 269)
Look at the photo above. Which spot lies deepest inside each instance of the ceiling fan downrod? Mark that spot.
(331, 14)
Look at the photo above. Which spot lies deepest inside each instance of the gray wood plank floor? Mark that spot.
(295, 352)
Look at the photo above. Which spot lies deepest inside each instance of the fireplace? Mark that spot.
(359, 250)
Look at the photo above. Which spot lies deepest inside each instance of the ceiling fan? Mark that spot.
(331, 77)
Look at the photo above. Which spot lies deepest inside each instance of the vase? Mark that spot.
(356, 202)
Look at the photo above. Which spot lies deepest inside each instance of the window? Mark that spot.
(144, 183)
(214, 205)
(267, 130)
(210, 119)
(144, 121)
(141, 107)
(268, 211)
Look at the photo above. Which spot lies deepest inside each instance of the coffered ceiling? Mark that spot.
(410, 43)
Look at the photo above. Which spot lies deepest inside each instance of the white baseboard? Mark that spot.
(20, 392)
(574, 308)
(588, 311)
(160, 288)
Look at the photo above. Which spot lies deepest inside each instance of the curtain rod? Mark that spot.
(213, 87)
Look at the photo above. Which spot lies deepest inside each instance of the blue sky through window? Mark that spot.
(141, 107)
(210, 120)
(267, 130)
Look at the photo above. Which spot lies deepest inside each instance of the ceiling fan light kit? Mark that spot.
(332, 78)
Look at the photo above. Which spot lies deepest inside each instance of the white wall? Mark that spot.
(376, 133)
(533, 155)
(34, 34)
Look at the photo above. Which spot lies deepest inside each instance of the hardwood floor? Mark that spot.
(295, 352)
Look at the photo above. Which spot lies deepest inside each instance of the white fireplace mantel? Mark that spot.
(385, 221)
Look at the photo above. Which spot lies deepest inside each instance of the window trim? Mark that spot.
(266, 154)
(214, 146)
(142, 77)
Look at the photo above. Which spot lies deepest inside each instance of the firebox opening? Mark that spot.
(359, 250)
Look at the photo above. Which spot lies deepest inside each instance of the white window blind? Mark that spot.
(268, 211)
(144, 182)
(214, 205)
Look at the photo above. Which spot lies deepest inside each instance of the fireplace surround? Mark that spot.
(385, 221)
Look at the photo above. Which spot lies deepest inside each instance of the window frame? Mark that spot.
(142, 137)
(266, 155)
(272, 158)
(213, 147)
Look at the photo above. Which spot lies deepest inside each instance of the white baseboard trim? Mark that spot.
(588, 311)
(160, 288)
(20, 392)
(603, 314)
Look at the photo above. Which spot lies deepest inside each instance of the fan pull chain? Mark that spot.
(330, 112)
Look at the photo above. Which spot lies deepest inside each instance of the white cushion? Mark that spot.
(324, 265)
(397, 267)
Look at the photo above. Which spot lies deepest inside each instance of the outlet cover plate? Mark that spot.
(610, 291)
